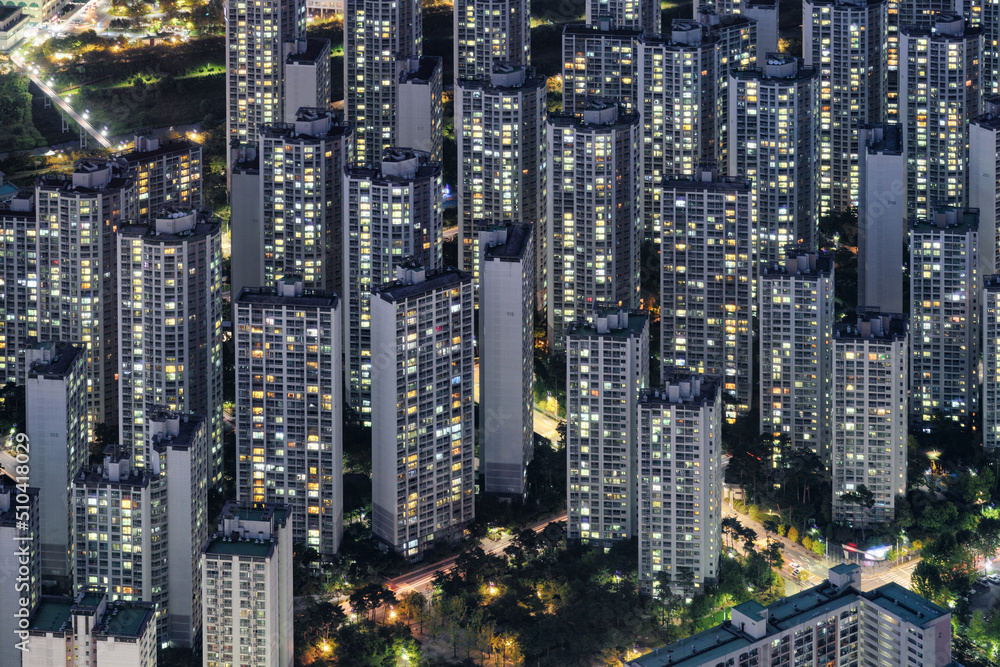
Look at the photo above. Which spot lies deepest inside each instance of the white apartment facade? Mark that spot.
(870, 386)
(506, 356)
(91, 629)
(633, 14)
(490, 32)
(832, 624)
(944, 307)
(257, 37)
(706, 281)
(774, 118)
(301, 194)
(984, 181)
(78, 215)
(500, 132)
(390, 213)
(289, 401)
(600, 60)
(936, 60)
(796, 314)
(422, 409)
(170, 321)
(19, 273)
(166, 174)
(593, 213)
(882, 234)
(20, 546)
(680, 481)
(846, 41)
(991, 362)
(607, 366)
(376, 36)
(56, 412)
(247, 588)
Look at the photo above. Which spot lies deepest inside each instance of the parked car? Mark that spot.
(994, 578)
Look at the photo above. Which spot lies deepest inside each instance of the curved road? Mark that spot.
(421, 580)
(77, 118)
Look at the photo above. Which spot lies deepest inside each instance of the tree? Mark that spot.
(863, 498)
(793, 535)
(411, 605)
(731, 528)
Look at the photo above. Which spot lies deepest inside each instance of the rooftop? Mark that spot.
(885, 138)
(125, 619)
(634, 324)
(991, 283)
(873, 324)
(52, 614)
(178, 430)
(518, 235)
(950, 218)
(64, 356)
(597, 31)
(682, 389)
(311, 53)
(440, 279)
(424, 69)
(906, 604)
(271, 296)
(166, 148)
(234, 547)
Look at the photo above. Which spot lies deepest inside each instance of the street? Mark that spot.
(817, 566)
(420, 580)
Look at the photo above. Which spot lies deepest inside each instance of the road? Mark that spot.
(450, 233)
(77, 118)
(817, 566)
(421, 580)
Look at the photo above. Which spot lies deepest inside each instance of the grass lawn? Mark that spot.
(172, 102)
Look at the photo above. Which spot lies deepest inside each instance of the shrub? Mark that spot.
(807, 542)
(793, 534)
(753, 512)
(819, 548)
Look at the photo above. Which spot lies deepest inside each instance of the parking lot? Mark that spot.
(983, 597)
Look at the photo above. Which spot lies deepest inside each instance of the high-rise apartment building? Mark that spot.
(307, 76)
(170, 319)
(846, 41)
(167, 173)
(870, 385)
(940, 72)
(146, 544)
(679, 90)
(289, 402)
(634, 14)
(259, 39)
(500, 132)
(607, 366)
(774, 119)
(680, 482)
(78, 215)
(391, 212)
(706, 281)
(991, 363)
(19, 285)
(737, 39)
(600, 60)
(989, 19)
(20, 547)
(245, 219)
(422, 409)
(593, 214)
(91, 628)
(984, 181)
(420, 126)
(882, 234)
(246, 571)
(762, 12)
(796, 348)
(944, 311)
(506, 356)
(488, 33)
(301, 198)
(376, 36)
(832, 624)
(903, 13)
(56, 410)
